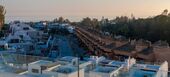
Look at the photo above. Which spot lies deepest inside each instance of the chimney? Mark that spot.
(149, 42)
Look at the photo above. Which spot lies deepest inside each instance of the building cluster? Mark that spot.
(24, 39)
(51, 25)
(69, 66)
(142, 50)
(120, 48)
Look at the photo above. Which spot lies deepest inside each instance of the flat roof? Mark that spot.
(42, 62)
(9, 69)
(116, 63)
(104, 69)
(154, 67)
(105, 61)
(146, 51)
(127, 47)
(142, 73)
(147, 66)
(40, 75)
(19, 58)
(65, 69)
(67, 58)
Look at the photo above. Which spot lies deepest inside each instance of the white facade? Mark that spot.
(20, 34)
(163, 70)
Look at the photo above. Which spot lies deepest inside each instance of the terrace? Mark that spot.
(67, 59)
(127, 48)
(43, 64)
(105, 69)
(105, 62)
(141, 73)
(116, 63)
(11, 69)
(146, 51)
(161, 44)
(148, 67)
(65, 69)
(109, 68)
(144, 71)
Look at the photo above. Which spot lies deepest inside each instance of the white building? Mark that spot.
(70, 29)
(20, 35)
(37, 68)
(67, 67)
(146, 70)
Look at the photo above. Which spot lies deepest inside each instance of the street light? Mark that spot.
(78, 74)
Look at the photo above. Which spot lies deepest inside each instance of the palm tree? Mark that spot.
(2, 15)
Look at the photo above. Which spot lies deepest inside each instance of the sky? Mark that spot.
(75, 10)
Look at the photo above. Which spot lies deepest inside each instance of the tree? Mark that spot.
(61, 20)
(86, 22)
(165, 12)
(66, 21)
(55, 20)
(2, 15)
(152, 28)
(122, 19)
(94, 23)
(169, 14)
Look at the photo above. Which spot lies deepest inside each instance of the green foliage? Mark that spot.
(5, 27)
(93, 23)
(153, 29)
(4, 30)
(61, 20)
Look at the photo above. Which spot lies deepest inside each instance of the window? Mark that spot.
(74, 63)
(35, 70)
(43, 67)
(14, 41)
(21, 36)
(25, 28)
(2, 47)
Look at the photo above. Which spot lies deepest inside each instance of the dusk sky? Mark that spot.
(76, 9)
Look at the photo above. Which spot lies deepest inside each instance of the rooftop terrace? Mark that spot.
(127, 47)
(105, 69)
(65, 69)
(116, 63)
(67, 58)
(42, 62)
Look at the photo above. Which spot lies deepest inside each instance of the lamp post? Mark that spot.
(78, 74)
